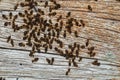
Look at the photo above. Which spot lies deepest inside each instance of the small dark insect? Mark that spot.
(117, 0)
(60, 17)
(82, 22)
(15, 17)
(80, 58)
(96, 63)
(50, 46)
(26, 12)
(76, 34)
(26, 32)
(67, 71)
(22, 4)
(89, 7)
(46, 49)
(87, 42)
(91, 48)
(12, 42)
(16, 6)
(64, 34)
(50, 9)
(4, 17)
(75, 44)
(29, 43)
(68, 14)
(35, 60)
(57, 6)
(52, 14)
(82, 46)
(48, 60)
(10, 15)
(78, 46)
(51, 40)
(46, 4)
(31, 12)
(52, 0)
(1, 78)
(17, 78)
(25, 37)
(31, 53)
(92, 54)
(6, 23)
(33, 47)
(61, 23)
(50, 21)
(52, 60)
(69, 63)
(21, 44)
(77, 53)
(75, 64)
(21, 14)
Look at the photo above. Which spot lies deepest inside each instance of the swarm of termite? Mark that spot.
(41, 33)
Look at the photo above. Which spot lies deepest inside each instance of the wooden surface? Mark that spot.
(102, 26)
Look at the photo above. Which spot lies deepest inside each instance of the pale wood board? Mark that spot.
(102, 25)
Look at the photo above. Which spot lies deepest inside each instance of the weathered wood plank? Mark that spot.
(102, 25)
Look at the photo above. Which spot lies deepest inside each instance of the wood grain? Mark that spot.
(102, 26)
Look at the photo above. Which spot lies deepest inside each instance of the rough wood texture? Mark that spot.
(102, 26)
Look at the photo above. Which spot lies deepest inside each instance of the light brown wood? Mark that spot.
(102, 25)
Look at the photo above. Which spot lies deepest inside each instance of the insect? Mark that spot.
(82, 46)
(6, 23)
(21, 14)
(12, 42)
(50, 9)
(92, 54)
(67, 71)
(64, 34)
(76, 34)
(68, 14)
(46, 4)
(91, 48)
(22, 4)
(57, 6)
(25, 37)
(31, 53)
(87, 42)
(46, 49)
(82, 22)
(52, 14)
(96, 63)
(52, 60)
(80, 58)
(50, 46)
(10, 15)
(61, 23)
(21, 44)
(60, 17)
(4, 17)
(69, 63)
(50, 21)
(16, 6)
(15, 17)
(48, 60)
(75, 64)
(35, 60)
(78, 46)
(26, 12)
(89, 8)
(77, 53)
